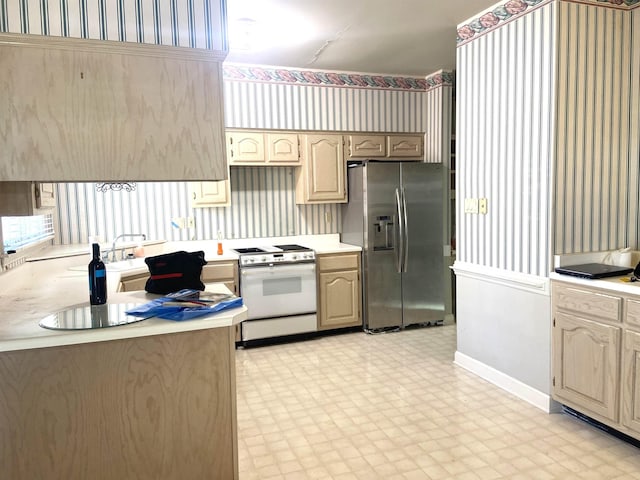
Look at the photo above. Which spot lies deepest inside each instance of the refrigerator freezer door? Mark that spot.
(382, 286)
(423, 280)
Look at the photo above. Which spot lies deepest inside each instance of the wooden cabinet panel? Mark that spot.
(405, 146)
(586, 302)
(633, 312)
(586, 364)
(283, 149)
(322, 177)
(88, 110)
(339, 291)
(210, 194)
(367, 146)
(156, 407)
(222, 271)
(631, 381)
(262, 148)
(26, 198)
(245, 148)
(131, 283)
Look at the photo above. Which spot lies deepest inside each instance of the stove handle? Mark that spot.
(279, 269)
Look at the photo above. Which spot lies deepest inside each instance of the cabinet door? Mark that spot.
(45, 195)
(245, 148)
(210, 194)
(283, 149)
(631, 381)
(97, 112)
(339, 300)
(367, 146)
(133, 283)
(323, 174)
(405, 146)
(222, 272)
(586, 362)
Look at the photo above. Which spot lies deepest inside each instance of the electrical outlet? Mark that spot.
(482, 206)
(191, 222)
(470, 205)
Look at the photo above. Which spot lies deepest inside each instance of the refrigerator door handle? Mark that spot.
(405, 233)
(400, 233)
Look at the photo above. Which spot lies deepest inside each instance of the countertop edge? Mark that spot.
(613, 284)
(144, 328)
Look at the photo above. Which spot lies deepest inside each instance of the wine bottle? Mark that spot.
(97, 278)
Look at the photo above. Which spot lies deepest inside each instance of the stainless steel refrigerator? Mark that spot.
(395, 213)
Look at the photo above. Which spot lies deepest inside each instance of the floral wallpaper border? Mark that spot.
(441, 78)
(491, 20)
(515, 8)
(317, 78)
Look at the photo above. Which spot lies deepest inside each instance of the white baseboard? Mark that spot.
(530, 395)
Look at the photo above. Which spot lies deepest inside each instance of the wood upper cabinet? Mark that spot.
(339, 293)
(386, 146)
(367, 146)
(322, 177)
(89, 110)
(262, 148)
(210, 194)
(26, 198)
(405, 146)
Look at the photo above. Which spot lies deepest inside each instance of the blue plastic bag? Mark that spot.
(156, 308)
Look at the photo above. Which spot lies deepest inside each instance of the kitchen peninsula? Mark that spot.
(153, 399)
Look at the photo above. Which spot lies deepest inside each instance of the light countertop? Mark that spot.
(57, 280)
(613, 284)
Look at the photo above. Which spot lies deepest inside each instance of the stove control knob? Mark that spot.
(264, 259)
(294, 257)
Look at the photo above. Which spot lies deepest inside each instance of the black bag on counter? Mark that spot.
(174, 271)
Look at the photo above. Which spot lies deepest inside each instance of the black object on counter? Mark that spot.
(97, 278)
(594, 270)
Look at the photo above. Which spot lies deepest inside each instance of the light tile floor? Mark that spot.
(394, 406)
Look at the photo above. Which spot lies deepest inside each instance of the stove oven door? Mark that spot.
(279, 290)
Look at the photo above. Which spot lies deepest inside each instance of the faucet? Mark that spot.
(115, 240)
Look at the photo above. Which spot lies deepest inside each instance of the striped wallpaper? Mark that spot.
(505, 143)
(262, 201)
(183, 23)
(596, 197)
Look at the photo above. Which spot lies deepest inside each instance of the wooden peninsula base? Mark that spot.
(151, 407)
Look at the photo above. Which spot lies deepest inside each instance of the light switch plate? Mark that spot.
(482, 206)
(470, 205)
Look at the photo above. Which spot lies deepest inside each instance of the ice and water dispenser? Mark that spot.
(383, 232)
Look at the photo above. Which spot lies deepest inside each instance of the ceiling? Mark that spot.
(393, 37)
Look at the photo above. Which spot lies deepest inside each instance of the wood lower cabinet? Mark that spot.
(134, 282)
(586, 363)
(153, 407)
(222, 271)
(339, 292)
(596, 354)
(631, 381)
(322, 177)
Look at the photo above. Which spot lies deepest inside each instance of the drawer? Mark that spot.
(585, 302)
(633, 312)
(219, 271)
(338, 262)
